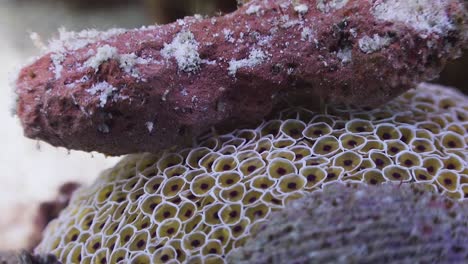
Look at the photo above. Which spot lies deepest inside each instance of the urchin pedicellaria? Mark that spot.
(130, 91)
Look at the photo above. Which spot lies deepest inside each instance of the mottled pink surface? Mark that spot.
(166, 105)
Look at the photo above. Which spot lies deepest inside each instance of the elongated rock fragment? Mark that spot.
(126, 91)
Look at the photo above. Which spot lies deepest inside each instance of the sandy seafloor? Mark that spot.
(31, 171)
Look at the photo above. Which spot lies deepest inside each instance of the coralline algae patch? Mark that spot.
(196, 205)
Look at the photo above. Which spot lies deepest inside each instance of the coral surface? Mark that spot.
(362, 224)
(201, 203)
(130, 91)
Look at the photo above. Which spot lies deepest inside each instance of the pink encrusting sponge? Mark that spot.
(126, 91)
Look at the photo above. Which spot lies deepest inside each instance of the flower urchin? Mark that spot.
(199, 204)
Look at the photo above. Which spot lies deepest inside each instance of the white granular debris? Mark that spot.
(327, 6)
(37, 41)
(181, 22)
(265, 40)
(70, 41)
(103, 54)
(307, 34)
(372, 44)
(345, 55)
(255, 58)
(57, 59)
(184, 49)
(423, 15)
(104, 89)
(253, 9)
(149, 126)
(287, 23)
(164, 96)
(128, 62)
(302, 9)
(228, 35)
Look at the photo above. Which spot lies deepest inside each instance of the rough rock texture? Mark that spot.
(126, 91)
(48, 211)
(25, 257)
(362, 224)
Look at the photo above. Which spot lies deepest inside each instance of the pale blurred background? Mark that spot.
(31, 172)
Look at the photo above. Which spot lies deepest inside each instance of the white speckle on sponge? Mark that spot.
(129, 61)
(69, 40)
(57, 59)
(184, 48)
(423, 15)
(150, 126)
(376, 43)
(229, 35)
(255, 58)
(327, 6)
(345, 55)
(105, 90)
(302, 9)
(103, 54)
(307, 34)
(37, 41)
(164, 96)
(253, 9)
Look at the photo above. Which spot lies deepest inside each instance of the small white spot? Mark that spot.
(307, 34)
(164, 97)
(104, 89)
(253, 9)
(149, 126)
(326, 6)
(376, 43)
(128, 62)
(345, 55)
(228, 35)
(37, 41)
(57, 59)
(302, 9)
(103, 54)
(255, 58)
(184, 48)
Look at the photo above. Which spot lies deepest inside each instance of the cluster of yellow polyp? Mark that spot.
(198, 204)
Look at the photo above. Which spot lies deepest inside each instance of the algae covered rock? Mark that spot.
(131, 91)
(200, 203)
(358, 223)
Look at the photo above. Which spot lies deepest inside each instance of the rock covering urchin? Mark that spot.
(362, 224)
(133, 91)
(201, 203)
